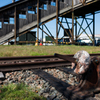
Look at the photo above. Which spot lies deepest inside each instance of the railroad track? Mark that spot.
(36, 63)
(33, 62)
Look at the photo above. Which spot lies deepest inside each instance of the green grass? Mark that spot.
(29, 50)
(18, 92)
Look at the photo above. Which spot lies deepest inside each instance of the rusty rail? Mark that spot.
(30, 62)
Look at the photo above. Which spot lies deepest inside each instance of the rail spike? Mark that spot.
(89, 69)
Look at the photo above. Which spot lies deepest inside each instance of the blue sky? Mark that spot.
(52, 24)
(5, 2)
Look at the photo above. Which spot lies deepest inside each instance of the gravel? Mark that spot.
(39, 84)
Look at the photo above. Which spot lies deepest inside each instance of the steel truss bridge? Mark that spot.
(63, 9)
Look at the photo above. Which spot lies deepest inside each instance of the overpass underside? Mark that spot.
(61, 10)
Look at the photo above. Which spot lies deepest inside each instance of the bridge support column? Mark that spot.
(75, 30)
(37, 20)
(57, 22)
(93, 29)
(72, 23)
(15, 25)
(42, 34)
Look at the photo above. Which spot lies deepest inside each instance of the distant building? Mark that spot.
(84, 39)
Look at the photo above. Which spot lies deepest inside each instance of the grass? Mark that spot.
(18, 92)
(29, 50)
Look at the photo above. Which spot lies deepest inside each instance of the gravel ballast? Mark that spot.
(41, 86)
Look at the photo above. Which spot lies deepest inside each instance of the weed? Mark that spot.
(18, 92)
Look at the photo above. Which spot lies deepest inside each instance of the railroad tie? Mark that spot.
(57, 83)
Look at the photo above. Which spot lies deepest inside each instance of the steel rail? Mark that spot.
(27, 60)
(25, 57)
(32, 65)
